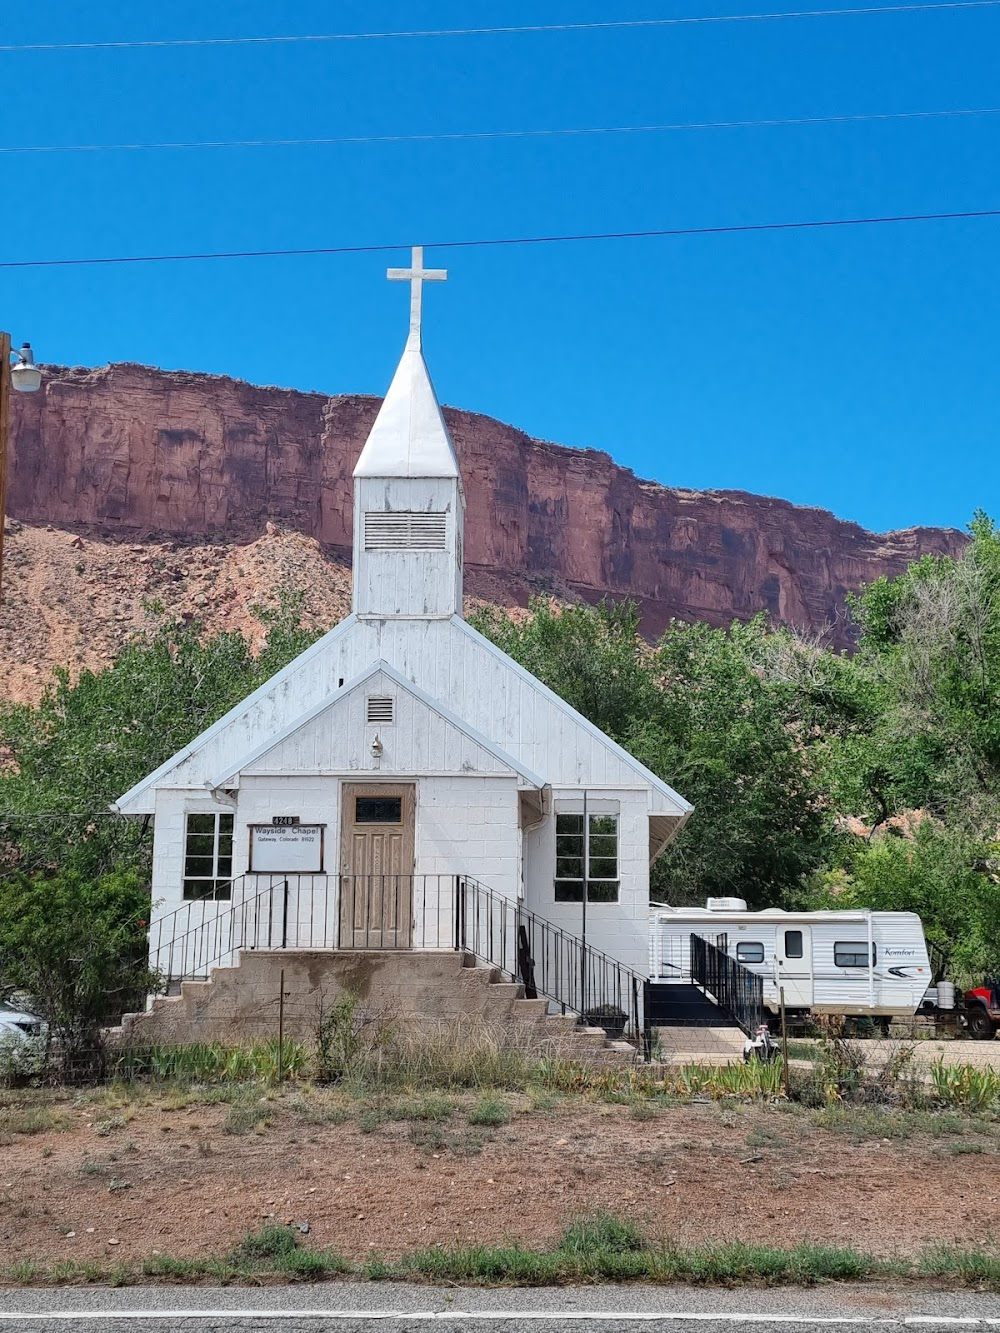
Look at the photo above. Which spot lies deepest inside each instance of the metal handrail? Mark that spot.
(734, 987)
(552, 963)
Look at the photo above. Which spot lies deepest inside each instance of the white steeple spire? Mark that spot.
(409, 437)
(409, 504)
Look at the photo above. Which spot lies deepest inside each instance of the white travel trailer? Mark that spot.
(850, 962)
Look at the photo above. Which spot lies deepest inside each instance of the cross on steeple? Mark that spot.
(416, 275)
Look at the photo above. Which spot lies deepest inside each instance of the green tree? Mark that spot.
(939, 874)
(930, 651)
(77, 946)
(74, 877)
(701, 711)
(89, 740)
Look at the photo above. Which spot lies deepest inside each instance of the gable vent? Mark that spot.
(405, 531)
(380, 707)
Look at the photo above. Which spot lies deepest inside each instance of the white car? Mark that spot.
(17, 1025)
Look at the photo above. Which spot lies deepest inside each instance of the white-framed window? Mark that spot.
(749, 951)
(603, 881)
(852, 954)
(208, 856)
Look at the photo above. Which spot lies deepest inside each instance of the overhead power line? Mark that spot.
(506, 30)
(651, 233)
(576, 132)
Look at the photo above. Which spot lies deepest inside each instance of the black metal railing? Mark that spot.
(732, 986)
(404, 912)
(552, 963)
(304, 912)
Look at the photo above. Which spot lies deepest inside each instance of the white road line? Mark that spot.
(496, 1316)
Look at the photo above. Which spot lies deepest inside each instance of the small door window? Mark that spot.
(378, 810)
(793, 943)
(749, 951)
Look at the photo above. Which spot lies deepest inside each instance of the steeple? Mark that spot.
(409, 503)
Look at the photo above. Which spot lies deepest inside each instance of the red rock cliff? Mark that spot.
(131, 449)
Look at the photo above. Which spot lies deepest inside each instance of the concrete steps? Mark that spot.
(418, 989)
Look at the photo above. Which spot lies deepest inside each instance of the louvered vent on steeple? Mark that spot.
(404, 531)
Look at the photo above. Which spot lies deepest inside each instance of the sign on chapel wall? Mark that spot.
(279, 849)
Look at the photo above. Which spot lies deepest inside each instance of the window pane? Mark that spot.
(201, 824)
(378, 810)
(850, 955)
(569, 867)
(569, 824)
(225, 867)
(569, 844)
(603, 845)
(603, 824)
(793, 943)
(602, 891)
(223, 890)
(226, 825)
(569, 891)
(604, 867)
(199, 865)
(225, 844)
(197, 888)
(749, 952)
(199, 844)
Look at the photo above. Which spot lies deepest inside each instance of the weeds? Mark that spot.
(431, 1106)
(33, 1120)
(318, 1110)
(492, 1111)
(209, 1062)
(244, 1116)
(962, 1085)
(592, 1248)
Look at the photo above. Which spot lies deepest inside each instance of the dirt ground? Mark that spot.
(120, 1182)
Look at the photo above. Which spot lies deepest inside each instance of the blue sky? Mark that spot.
(853, 369)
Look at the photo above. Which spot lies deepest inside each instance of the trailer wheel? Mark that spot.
(981, 1027)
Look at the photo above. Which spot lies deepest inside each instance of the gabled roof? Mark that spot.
(381, 671)
(265, 713)
(677, 802)
(409, 437)
(239, 710)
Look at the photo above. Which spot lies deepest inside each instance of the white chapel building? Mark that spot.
(403, 753)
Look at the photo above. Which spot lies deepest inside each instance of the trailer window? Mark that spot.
(793, 943)
(852, 954)
(749, 951)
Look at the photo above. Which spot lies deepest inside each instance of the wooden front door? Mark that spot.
(376, 866)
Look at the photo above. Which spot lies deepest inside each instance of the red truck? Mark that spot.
(982, 1010)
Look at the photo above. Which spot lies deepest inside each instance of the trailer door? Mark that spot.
(793, 965)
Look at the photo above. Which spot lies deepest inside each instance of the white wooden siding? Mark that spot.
(339, 740)
(448, 663)
(405, 582)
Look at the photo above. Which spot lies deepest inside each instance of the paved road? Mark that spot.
(365, 1308)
